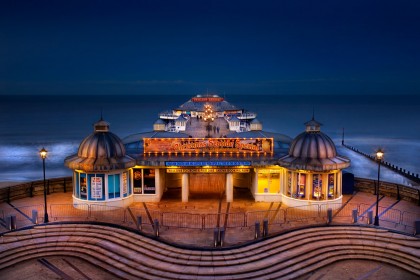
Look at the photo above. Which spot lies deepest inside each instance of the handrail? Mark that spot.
(284, 216)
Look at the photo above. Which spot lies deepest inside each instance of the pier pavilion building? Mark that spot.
(207, 146)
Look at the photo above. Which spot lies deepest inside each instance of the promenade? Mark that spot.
(341, 267)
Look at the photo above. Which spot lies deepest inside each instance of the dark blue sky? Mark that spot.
(232, 47)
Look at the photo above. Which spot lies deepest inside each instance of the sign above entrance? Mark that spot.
(207, 163)
(207, 99)
(207, 170)
(208, 145)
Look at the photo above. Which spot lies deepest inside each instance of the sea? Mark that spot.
(59, 123)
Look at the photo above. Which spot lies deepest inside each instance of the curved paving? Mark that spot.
(132, 256)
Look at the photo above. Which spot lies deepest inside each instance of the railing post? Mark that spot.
(139, 222)
(215, 236)
(48, 186)
(257, 230)
(203, 221)
(156, 227)
(35, 216)
(265, 227)
(11, 222)
(354, 216)
(64, 185)
(416, 227)
(370, 217)
(398, 193)
(329, 215)
(222, 236)
(245, 219)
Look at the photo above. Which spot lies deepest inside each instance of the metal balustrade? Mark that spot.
(282, 216)
(69, 211)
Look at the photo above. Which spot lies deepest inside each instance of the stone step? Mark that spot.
(298, 251)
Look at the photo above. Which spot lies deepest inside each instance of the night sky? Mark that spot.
(228, 47)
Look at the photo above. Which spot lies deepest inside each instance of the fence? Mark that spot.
(398, 191)
(284, 217)
(31, 189)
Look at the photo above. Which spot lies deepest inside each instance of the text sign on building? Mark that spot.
(208, 145)
(96, 187)
(207, 170)
(207, 99)
(207, 163)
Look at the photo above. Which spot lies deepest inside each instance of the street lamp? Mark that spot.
(379, 156)
(43, 153)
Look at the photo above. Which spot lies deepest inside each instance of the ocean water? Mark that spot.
(60, 123)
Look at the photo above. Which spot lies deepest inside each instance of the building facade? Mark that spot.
(207, 146)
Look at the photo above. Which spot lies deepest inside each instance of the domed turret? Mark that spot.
(313, 150)
(255, 125)
(102, 150)
(159, 125)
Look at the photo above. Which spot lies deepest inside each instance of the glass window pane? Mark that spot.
(83, 186)
(137, 181)
(149, 181)
(117, 185)
(111, 186)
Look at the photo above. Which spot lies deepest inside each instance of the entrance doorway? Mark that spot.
(207, 183)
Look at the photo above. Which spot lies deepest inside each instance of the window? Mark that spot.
(144, 181)
(268, 181)
(96, 187)
(83, 186)
(289, 183)
(330, 185)
(149, 181)
(137, 181)
(125, 184)
(301, 185)
(317, 186)
(114, 186)
(76, 190)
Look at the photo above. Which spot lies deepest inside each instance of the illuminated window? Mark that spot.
(289, 183)
(149, 181)
(317, 186)
(268, 182)
(96, 187)
(83, 186)
(330, 185)
(76, 189)
(301, 185)
(126, 190)
(144, 181)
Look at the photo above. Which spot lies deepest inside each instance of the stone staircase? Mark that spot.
(129, 255)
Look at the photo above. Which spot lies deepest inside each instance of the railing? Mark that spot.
(284, 217)
(34, 188)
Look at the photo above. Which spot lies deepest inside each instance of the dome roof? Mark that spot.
(313, 150)
(101, 145)
(102, 150)
(312, 145)
(159, 121)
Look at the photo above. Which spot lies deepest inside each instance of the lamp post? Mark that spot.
(43, 153)
(379, 156)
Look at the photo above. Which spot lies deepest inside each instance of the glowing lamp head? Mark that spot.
(43, 153)
(379, 154)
